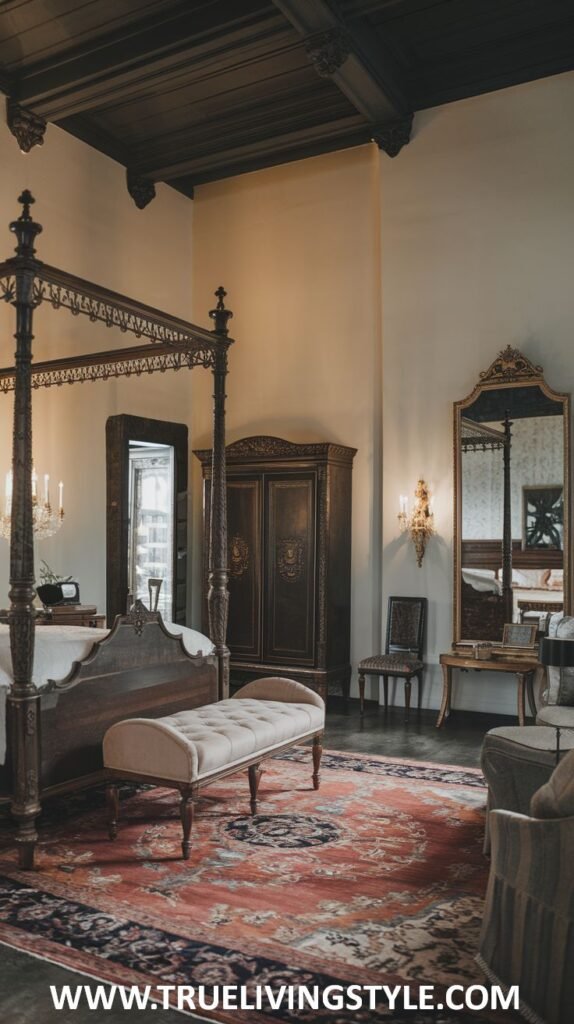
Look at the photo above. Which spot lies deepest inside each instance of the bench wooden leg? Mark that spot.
(254, 771)
(113, 806)
(186, 815)
(317, 751)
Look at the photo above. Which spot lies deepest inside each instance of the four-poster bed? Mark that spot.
(54, 734)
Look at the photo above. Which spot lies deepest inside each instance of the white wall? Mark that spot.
(92, 228)
(477, 229)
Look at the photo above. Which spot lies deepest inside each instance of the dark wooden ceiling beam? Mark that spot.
(137, 61)
(257, 121)
(237, 159)
(361, 70)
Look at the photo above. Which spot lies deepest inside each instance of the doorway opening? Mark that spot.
(146, 516)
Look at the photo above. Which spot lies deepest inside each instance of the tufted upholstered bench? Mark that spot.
(190, 749)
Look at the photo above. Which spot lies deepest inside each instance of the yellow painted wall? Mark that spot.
(297, 250)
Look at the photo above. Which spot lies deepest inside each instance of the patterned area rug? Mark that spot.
(377, 878)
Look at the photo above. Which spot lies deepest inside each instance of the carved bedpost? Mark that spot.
(218, 596)
(23, 698)
(507, 524)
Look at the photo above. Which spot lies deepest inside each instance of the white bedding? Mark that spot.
(483, 580)
(57, 647)
(548, 597)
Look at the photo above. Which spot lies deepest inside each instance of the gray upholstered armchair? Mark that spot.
(528, 930)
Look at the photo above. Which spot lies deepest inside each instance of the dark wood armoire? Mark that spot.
(289, 562)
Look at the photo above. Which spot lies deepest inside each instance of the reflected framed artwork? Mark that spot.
(543, 517)
(518, 635)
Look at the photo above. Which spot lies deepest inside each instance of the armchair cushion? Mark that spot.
(556, 798)
(558, 716)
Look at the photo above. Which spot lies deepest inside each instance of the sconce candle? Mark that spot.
(420, 524)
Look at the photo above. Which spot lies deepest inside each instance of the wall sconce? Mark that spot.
(420, 523)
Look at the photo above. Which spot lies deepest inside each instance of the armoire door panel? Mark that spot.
(290, 518)
(244, 566)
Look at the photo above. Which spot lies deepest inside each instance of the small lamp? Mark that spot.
(556, 653)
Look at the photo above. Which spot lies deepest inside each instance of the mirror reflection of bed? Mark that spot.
(535, 592)
(525, 499)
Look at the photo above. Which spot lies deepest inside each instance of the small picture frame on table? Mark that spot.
(516, 634)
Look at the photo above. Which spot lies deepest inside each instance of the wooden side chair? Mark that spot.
(403, 649)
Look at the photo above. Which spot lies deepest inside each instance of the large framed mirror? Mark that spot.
(146, 534)
(512, 501)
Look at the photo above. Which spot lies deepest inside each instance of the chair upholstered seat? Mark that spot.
(558, 715)
(525, 741)
(393, 664)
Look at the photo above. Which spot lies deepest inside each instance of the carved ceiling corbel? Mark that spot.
(27, 127)
(393, 136)
(142, 190)
(328, 51)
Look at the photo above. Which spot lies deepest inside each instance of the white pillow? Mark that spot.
(555, 580)
(483, 580)
(527, 579)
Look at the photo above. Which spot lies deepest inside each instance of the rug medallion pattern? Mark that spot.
(377, 878)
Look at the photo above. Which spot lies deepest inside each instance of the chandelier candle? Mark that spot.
(45, 522)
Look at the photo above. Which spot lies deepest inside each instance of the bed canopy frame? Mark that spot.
(25, 283)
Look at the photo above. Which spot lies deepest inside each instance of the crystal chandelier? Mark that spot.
(45, 520)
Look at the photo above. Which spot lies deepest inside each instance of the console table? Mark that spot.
(522, 666)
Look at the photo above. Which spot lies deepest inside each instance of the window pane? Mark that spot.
(151, 523)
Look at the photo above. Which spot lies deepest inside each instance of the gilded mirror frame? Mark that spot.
(510, 369)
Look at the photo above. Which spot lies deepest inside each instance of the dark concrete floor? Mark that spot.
(25, 981)
(393, 735)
